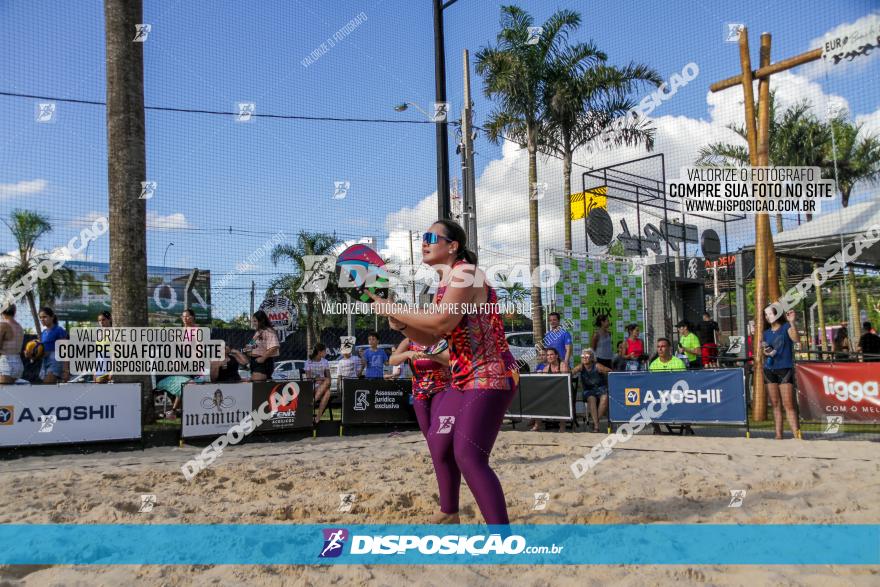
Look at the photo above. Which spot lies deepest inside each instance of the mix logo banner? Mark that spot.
(169, 291)
(848, 390)
(712, 396)
(282, 313)
(545, 396)
(211, 409)
(377, 401)
(588, 288)
(537, 544)
(69, 413)
(296, 415)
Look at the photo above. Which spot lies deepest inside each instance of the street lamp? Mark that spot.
(166, 253)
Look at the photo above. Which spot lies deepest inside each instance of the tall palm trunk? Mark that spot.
(820, 307)
(126, 169)
(566, 188)
(534, 244)
(32, 304)
(783, 265)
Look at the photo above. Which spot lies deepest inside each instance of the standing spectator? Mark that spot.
(619, 361)
(318, 370)
(52, 370)
(349, 366)
(840, 345)
(558, 338)
(375, 358)
(11, 340)
(594, 381)
(689, 344)
(778, 347)
(869, 343)
(707, 331)
(105, 320)
(554, 364)
(635, 348)
(262, 348)
(601, 341)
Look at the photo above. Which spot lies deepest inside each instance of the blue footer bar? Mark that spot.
(255, 544)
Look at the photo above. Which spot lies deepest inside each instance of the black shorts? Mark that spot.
(267, 367)
(778, 376)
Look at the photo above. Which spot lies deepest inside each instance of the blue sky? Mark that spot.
(269, 175)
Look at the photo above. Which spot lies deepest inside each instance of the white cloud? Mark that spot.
(871, 123)
(156, 221)
(22, 188)
(869, 22)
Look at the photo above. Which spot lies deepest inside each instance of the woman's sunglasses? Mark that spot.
(431, 238)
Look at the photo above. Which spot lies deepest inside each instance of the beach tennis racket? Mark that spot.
(365, 271)
(436, 348)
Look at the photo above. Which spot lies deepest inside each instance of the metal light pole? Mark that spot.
(443, 204)
(166, 253)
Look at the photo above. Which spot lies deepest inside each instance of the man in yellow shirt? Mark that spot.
(689, 344)
(665, 361)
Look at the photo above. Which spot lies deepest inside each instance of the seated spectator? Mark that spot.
(666, 361)
(226, 371)
(618, 363)
(554, 364)
(542, 360)
(594, 382)
(869, 343)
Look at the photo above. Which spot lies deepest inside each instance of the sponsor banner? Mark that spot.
(69, 413)
(377, 401)
(296, 415)
(169, 291)
(545, 396)
(712, 396)
(536, 544)
(282, 314)
(211, 409)
(849, 390)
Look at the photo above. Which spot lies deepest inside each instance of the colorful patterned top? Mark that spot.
(478, 353)
(429, 376)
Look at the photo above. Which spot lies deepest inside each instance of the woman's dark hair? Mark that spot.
(10, 311)
(50, 313)
(105, 314)
(262, 320)
(600, 319)
(456, 233)
(317, 349)
(631, 327)
(550, 348)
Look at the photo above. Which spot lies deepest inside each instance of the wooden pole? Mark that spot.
(856, 329)
(820, 309)
(763, 72)
(759, 399)
(773, 292)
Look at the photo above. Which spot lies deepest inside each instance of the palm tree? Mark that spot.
(586, 105)
(126, 170)
(290, 285)
(515, 74)
(857, 156)
(27, 228)
(512, 293)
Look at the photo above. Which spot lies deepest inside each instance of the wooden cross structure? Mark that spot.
(758, 136)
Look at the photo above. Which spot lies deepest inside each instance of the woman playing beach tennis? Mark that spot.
(466, 416)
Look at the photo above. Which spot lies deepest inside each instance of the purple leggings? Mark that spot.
(461, 428)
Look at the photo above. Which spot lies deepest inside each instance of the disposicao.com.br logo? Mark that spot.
(334, 540)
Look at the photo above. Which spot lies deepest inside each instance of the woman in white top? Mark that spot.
(318, 370)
